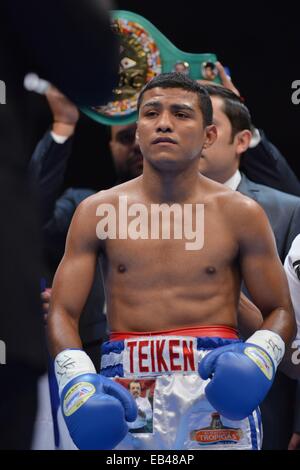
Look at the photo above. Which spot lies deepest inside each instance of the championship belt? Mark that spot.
(145, 52)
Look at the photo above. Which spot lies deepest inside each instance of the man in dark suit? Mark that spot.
(262, 162)
(221, 163)
(283, 211)
(47, 168)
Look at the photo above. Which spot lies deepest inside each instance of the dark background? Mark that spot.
(260, 44)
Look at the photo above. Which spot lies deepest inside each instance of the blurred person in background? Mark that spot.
(58, 40)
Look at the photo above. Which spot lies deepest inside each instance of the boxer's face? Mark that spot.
(221, 160)
(170, 128)
(126, 152)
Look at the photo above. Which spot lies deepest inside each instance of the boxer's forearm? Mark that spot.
(249, 317)
(281, 320)
(62, 332)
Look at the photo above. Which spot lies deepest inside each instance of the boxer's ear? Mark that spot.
(137, 137)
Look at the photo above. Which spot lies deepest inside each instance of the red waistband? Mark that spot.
(209, 331)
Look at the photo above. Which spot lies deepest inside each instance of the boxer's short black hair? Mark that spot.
(180, 80)
(233, 107)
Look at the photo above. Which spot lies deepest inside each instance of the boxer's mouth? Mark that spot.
(161, 140)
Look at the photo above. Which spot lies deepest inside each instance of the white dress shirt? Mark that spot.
(234, 181)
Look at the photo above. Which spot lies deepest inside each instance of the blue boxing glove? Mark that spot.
(242, 373)
(95, 408)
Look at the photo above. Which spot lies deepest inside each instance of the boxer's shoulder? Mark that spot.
(104, 204)
(236, 201)
(249, 222)
(240, 213)
(131, 190)
(226, 198)
(237, 206)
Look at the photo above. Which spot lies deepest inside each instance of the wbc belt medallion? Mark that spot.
(144, 53)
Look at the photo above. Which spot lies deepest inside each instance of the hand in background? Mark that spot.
(225, 80)
(65, 113)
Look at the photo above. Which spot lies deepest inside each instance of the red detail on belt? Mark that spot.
(221, 331)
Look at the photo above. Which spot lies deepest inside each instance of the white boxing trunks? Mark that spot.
(164, 368)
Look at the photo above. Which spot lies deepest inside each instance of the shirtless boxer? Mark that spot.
(172, 311)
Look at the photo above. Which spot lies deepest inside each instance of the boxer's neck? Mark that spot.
(171, 186)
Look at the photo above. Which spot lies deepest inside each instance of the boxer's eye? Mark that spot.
(181, 115)
(151, 113)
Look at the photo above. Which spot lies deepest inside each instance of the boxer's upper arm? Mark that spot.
(73, 279)
(263, 272)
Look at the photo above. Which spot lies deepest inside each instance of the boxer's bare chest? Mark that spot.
(191, 245)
